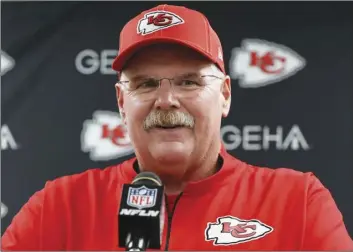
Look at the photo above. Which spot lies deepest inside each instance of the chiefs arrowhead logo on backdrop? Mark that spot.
(4, 210)
(157, 20)
(259, 63)
(230, 230)
(105, 137)
(7, 63)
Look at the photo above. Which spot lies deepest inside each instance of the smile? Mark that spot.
(169, 127)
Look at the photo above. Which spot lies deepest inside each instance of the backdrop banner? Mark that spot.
(292, 90)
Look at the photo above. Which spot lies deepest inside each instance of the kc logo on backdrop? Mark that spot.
(259, 63)
(7, 63)
(4, 210)
(157, 20)
(105, 137)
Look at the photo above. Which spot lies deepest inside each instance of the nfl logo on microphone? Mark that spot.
(141, 197)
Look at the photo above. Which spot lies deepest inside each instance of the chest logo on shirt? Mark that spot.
(230, 230)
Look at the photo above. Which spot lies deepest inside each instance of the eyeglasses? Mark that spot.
(184, 86)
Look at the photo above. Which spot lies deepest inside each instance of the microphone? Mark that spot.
(141, 213)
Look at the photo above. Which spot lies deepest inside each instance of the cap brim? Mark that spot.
(124, 56)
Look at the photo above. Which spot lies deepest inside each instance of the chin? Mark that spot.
(171, 152)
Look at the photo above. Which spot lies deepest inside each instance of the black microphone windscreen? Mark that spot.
(141, 213)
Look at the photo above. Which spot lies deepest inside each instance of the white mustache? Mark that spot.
(158, 118)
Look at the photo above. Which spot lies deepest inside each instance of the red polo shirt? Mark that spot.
(241, 207)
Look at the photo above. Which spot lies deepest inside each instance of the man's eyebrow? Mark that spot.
(140, 77)
(188, 75)
(145, 77)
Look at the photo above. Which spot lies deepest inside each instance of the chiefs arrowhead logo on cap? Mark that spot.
(231, 230)
(157, 20)
(259, 63)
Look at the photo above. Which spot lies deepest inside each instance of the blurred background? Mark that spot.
(292, 92)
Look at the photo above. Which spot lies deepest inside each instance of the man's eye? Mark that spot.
(188, 83)
(148, 84)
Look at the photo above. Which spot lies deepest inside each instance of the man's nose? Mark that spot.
(165, 96)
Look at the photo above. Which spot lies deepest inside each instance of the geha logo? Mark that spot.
(89, 61)
(256, 138)
(8, 141)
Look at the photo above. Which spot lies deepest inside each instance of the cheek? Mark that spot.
(135, 113)
(206, 105)
(206, 110)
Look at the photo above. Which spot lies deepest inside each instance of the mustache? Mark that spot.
(158, 118)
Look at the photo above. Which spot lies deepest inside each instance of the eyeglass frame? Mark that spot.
(171, 81)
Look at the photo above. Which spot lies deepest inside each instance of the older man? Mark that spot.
(172, 94)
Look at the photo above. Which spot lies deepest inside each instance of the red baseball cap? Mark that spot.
(169, 24)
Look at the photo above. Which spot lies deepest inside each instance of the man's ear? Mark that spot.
(227, 94)
(120, 100)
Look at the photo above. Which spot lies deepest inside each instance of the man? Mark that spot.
(172, 93)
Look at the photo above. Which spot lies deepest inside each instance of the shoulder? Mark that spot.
(68, 195)
(90, 177)
(62, 202)
(93, 180)
(285, 184)
(285, 178)
(280, 179)
(280, 174)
